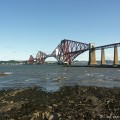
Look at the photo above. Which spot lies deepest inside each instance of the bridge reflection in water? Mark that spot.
(68, 50)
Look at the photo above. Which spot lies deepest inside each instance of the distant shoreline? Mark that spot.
(97, 66)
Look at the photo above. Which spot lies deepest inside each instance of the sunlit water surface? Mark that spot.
(52, 77)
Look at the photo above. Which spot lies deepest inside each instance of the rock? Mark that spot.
(54, 105)
(90, 104)
(71, 101)
(50, 117)
(2, 74)
(58, 114)
(11, 102)
(49, 108)
(46, 114)
(1, 114)
(36, 115)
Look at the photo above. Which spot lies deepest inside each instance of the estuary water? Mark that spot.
(51, 77)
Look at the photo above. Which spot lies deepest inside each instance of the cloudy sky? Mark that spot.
(28, 26)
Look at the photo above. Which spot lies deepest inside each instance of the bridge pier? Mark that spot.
(103, 57)
(115, 62)
(92, 55)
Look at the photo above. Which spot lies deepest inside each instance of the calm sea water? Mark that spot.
(52, 77)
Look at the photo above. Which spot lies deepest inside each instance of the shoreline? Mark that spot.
(70, 102)
(95, 66)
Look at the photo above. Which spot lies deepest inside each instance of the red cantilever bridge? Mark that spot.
(68, 50)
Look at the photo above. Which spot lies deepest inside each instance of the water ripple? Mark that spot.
(53, 77)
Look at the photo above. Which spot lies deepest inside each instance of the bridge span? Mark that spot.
(68, 50)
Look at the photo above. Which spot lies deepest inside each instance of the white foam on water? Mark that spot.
(101, 75)
(8, 73)
(27, 80)
(88, 74)
(64, 73)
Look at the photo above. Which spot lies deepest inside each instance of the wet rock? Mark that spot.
(1, 114)
(50, 117)
(60, 79)
(11, 102)
(75, 102)
(5, 73)
(2, 74)
(49, 108)
(46, 115)
(36, 115)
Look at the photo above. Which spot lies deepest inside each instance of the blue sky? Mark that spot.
(28, 26)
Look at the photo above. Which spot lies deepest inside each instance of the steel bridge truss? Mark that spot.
(31, 59)
(40, 57)
(68, 50)
(65, 52)
(57, 53)
(107, 46)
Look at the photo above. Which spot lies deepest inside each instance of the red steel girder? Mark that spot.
(108, 46)
(71, 49)
(66, 51)
(57, 52)
(40, 57)
(31, 59)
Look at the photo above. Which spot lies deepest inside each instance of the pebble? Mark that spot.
(65, 104)
(11, 102)
(50, 117)
(54, 105)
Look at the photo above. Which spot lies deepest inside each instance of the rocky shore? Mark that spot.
(2, 74)
(5, 73)
(69, 103)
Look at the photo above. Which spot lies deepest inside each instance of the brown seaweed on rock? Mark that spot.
(69, 103)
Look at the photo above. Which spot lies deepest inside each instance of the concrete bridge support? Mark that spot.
(115, 62)
(103, 57)
(92, 55)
